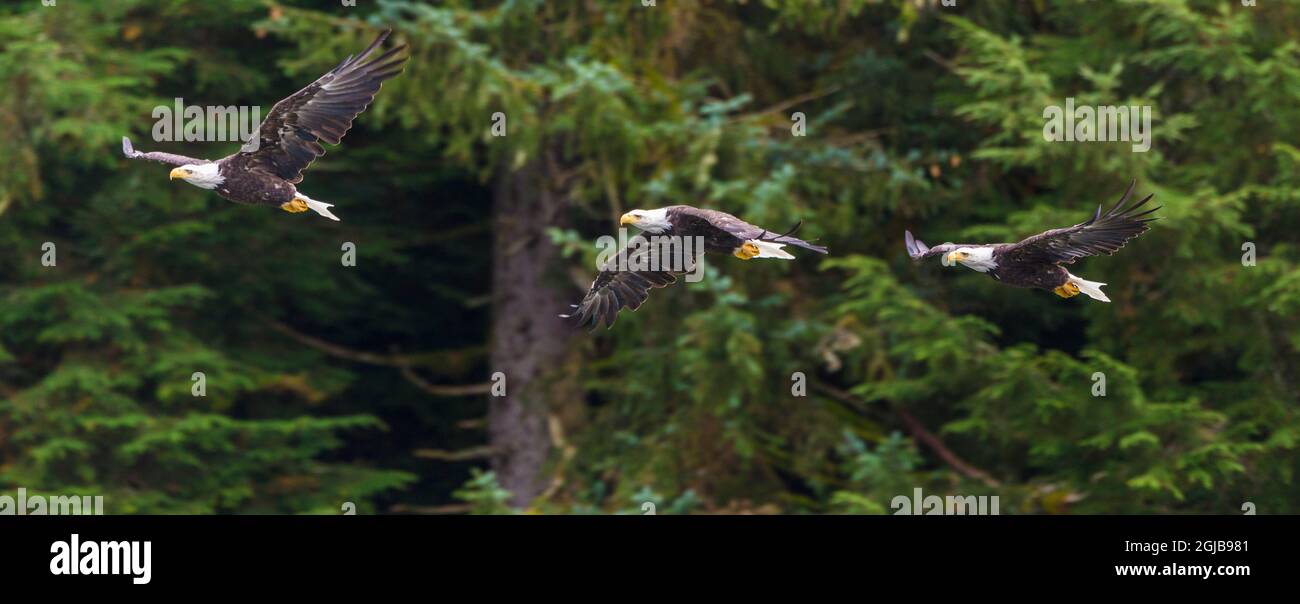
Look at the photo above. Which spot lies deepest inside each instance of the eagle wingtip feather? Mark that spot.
(915, 247)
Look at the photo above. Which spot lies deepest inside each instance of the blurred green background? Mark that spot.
(327, 383)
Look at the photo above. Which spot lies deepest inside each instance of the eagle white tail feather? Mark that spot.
(1092, 289)
(319, 207)
(767, 249)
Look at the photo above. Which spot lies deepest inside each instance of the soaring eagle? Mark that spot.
(289, 138)
(624, 281)
(1036, 261)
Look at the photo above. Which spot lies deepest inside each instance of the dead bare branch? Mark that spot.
(482, 452)
(403, 362)
(453, 508)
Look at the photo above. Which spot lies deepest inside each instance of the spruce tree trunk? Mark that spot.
(530, 343)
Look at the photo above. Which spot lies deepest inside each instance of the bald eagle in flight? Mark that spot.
(1036, 261)
(625, 280)
(289, 138)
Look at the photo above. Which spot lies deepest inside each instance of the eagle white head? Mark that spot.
(205, 176)
(650, 221)
(976, 258)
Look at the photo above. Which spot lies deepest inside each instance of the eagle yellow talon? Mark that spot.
(746, 251)
(294, 206)
(1069, 290)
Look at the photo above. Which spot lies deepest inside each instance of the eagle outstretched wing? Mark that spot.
(744, 230)
(1102, 234)
(166, 158)
(289, 138)
(625, 281)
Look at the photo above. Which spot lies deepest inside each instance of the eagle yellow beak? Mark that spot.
(954, 257)
(180, 173)
(628, 218)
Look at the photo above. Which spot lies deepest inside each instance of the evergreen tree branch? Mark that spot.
(920, 433)
(788, 103)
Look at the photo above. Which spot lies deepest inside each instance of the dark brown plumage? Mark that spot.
(614, 289)
(322, 111)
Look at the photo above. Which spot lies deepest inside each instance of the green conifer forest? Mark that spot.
(180, 354)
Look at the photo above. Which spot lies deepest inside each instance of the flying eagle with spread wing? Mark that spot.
(625, 280)
(290, 136)
(1036, 261)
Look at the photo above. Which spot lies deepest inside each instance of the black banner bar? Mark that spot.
(1162, 551)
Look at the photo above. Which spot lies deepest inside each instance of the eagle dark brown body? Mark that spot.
(248, 186)
(722, 232)
(1033, 275)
